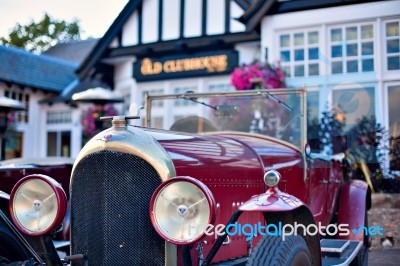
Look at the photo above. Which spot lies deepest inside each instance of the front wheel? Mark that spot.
(272, 250)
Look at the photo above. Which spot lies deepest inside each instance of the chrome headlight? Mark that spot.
(37, 205)
(180, 210)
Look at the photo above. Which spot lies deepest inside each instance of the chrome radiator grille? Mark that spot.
(110, 196)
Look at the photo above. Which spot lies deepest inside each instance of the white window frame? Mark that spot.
(305, 46)
(384, 45)
(359, 41)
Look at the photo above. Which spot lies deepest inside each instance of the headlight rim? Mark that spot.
(61, 200)
(210, 199)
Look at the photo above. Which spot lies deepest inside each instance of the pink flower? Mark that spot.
(90, 116)
(258, 75)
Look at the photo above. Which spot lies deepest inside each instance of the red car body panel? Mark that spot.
(353, 207)
(279, 156)
(231, 170)
(232, 165)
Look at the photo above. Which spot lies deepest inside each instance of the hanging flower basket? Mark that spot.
(257, 115)
(258, 75)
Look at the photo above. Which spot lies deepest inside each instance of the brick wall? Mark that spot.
(385, 212)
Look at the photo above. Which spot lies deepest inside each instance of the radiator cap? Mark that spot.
(119, 121)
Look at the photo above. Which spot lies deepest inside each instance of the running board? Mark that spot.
(339, 252)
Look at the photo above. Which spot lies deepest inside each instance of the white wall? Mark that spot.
(215, 20)
(171, 16)
(131, 26)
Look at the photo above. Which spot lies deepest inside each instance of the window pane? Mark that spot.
(14, 145)
(393, 62)
(313, 120)
(52, 144)
(156, 103)
(351, 33)
(367, 32)
(313, 53)
(65, 144)
(220, 87)
(367, 65)
(351, 49)
(336, 35)
(394, 110)
(337, 67)
(354, 104)
(158, 122)
(394, 125)
(312, 105)
(352, 66)
(285, 40)
(313, 37)
(393, 46)
(285, 56)
(184, 102)
(392, 29)
(367, 48)
(56, 117)
(337, 51)
(313, 69)
(299, 39)
(299, 71)
(286, 70)
(299, 55)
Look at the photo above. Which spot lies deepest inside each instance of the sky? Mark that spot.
(95, 16)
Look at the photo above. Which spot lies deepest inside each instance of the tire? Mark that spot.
(272, 250)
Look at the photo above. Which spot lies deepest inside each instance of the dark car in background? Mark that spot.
(12, 170)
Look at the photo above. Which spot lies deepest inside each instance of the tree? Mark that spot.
(38, 37)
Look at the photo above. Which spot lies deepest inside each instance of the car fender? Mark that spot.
(279, 207)
(354, 201)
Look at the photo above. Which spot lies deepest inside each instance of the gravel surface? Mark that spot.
(386, 257)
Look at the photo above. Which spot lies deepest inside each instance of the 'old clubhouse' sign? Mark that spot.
(184, 66)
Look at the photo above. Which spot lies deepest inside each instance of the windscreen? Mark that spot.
(274, 113)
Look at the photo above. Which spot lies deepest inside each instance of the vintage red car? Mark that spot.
(215, 194)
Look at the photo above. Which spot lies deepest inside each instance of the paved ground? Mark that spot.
(386, 257)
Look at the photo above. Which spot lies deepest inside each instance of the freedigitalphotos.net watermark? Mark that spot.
(284, 230)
